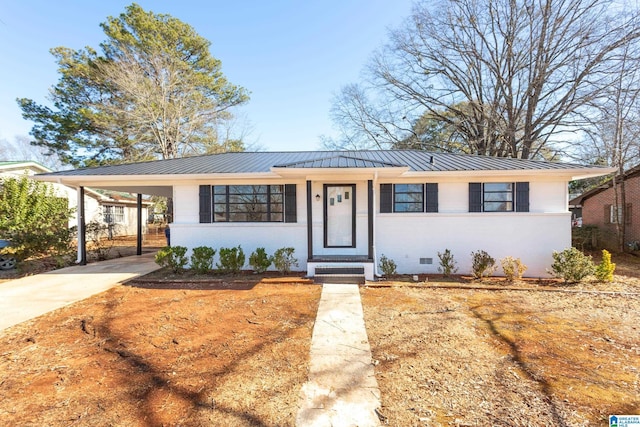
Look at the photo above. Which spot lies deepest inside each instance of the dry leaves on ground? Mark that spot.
(475, 357)
(149, 357)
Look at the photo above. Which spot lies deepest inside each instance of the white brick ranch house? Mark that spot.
(349, 208)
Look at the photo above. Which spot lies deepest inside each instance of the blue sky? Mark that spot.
(293, 56)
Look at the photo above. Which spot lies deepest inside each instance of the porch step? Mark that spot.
(346, 271)
(339, 274)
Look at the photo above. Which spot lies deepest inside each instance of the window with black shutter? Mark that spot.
(499, 197)
(408, 198)
(247, 203)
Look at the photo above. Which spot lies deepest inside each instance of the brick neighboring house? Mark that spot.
(598, 208)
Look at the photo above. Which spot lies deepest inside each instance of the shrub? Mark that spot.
(387, 265)
(513, 268)
(97, 234)
(604, 270)
(202, 259)
(231, 260)
(585, 237)
(34, 218)
(260, 261)
(571, 265)
(283, 259)
(447, 263)
(482, 264)
(173, 257)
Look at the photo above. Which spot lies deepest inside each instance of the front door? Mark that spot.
(339, 216)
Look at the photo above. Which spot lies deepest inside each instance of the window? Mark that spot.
(408, 197)
(113, 214)
(499, 197)
(248, 203)
(613, 214)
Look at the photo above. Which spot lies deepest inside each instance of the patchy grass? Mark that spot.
(478, 357)
(148, 357)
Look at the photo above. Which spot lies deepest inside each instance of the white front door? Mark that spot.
(339, 216)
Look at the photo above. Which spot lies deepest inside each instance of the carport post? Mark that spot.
(139, 243)
(82, 229)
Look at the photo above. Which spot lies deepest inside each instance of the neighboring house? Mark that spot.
(116, 209)
(105, 207)
(340, 208)
(599, 208)
(18, 169)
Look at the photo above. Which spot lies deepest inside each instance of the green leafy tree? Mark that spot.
(34, 218)
(152, 91)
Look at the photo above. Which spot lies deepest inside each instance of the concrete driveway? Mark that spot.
(29, 297)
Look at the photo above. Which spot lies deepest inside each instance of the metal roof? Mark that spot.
(339, 161)
(263, 162)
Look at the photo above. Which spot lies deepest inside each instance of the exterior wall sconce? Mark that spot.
(317, 197)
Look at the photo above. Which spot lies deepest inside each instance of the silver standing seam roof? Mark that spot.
(263, 162)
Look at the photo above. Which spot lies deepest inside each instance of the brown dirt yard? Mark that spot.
(235, 352)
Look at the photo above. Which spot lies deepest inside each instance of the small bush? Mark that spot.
(604, 270)
(513, 268)
(202, 259)
(260, 261)
(571, 265)
(231, 260)
(482, 264)
(283, 259)
(173, 257)
(387, 266)
(447, 263)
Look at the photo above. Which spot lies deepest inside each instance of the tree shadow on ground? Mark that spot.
(147, 378)
(518, 359)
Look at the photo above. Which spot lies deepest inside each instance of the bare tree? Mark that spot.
(22, 150)
(615, 132)
(509, 76)
(164, 102)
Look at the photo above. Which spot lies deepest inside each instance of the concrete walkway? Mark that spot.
(31, 296)
(342, 389)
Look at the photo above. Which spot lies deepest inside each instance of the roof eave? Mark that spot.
(569, 173)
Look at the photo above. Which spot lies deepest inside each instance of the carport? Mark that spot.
(99, 178)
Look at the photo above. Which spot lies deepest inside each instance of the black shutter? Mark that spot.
(432, 197)
(290, 203)
(627, 214)
(386, 198)
(475, 197)
(607, 214)
(522, 197)
(205, 204)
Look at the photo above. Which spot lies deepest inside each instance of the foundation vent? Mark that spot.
(426, 260)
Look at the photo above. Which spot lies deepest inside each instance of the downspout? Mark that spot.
(139, 225)
(375, 256)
